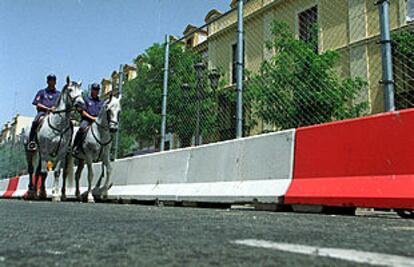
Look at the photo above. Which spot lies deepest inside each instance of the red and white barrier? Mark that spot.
(365, 162)
(4, 184)
(11, 187)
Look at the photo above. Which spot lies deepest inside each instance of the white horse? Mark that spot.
(96, 146)
(54, 137)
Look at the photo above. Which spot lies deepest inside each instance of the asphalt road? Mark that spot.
(74, 234)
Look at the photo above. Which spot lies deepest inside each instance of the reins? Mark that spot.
(61, 132)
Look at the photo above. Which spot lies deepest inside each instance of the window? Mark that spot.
(234, 62)
(190, 42)
(308, 23)
(410, 11)
(227, 110)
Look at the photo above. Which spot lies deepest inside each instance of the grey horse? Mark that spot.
(54, 137)
(96, 146)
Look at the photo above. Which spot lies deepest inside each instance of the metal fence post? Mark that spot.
(386, 55)
(164, 93)
(121, 81)
(239, 75)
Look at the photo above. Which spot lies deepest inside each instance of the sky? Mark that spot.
(86, 39)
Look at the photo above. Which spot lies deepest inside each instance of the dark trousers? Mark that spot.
(35, 124)
(80, 135)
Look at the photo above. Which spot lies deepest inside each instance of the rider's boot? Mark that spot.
(77, 142)
(32, 146)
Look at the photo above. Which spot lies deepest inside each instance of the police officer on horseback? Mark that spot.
(89, 113)
(45, 102)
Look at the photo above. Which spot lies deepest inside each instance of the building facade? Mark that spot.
(12, 130)
(350, 27)
(112, 84)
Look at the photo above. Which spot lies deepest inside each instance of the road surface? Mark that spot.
(74, 234)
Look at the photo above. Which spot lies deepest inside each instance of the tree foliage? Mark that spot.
(142, 99)
(403, 43)
(299, 87)
(12, 159)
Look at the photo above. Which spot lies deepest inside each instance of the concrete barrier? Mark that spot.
(11, 187)
(250, 169)
(4, 184)
(22, 186)
(365, 162)
(244, 170)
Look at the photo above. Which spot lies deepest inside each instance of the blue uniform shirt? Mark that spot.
(46, 97)
(93, 105)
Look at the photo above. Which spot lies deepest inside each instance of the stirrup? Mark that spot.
(32, 146)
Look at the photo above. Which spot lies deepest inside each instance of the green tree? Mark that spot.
(299, 87)
(403, 55)
(12, 159)
(403, 43)
(142, 99)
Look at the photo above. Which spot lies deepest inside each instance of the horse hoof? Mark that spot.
(31, 195)
(56, 199)
(63, 198)
(91, 200)
(42, 195)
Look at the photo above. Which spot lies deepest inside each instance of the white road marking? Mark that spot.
(54, 252)
(335, 253)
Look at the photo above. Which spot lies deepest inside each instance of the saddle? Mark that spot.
(40, 122)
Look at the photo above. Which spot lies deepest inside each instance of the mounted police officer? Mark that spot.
(45, 102)
(89, 113)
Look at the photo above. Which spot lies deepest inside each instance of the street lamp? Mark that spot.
(199, 69)
(214, 77)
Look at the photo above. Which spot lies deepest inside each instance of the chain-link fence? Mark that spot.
(303, 63)
(12, 158)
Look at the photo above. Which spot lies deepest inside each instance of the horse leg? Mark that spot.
(98, 184)
(66, 171)
(78, 174)
(37, 175)
(97, 191)
(43, 194)
(63, 189)
(107, 184)
(31, 193)
(90, 178)
(55, 192)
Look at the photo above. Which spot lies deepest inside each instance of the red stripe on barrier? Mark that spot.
(365, 162)
(11, 188)
(381, 191)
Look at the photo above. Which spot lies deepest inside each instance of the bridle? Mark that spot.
(109, 121)
(61, 132)
(66, 110)
(103, 144)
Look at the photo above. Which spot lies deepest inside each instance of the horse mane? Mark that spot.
(60, 96)
(102, 111)
(63, 91)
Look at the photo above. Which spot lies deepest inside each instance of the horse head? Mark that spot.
(74, 92)
(112, 108)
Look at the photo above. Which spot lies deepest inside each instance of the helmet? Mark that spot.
(51, 77)
(95, 86)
